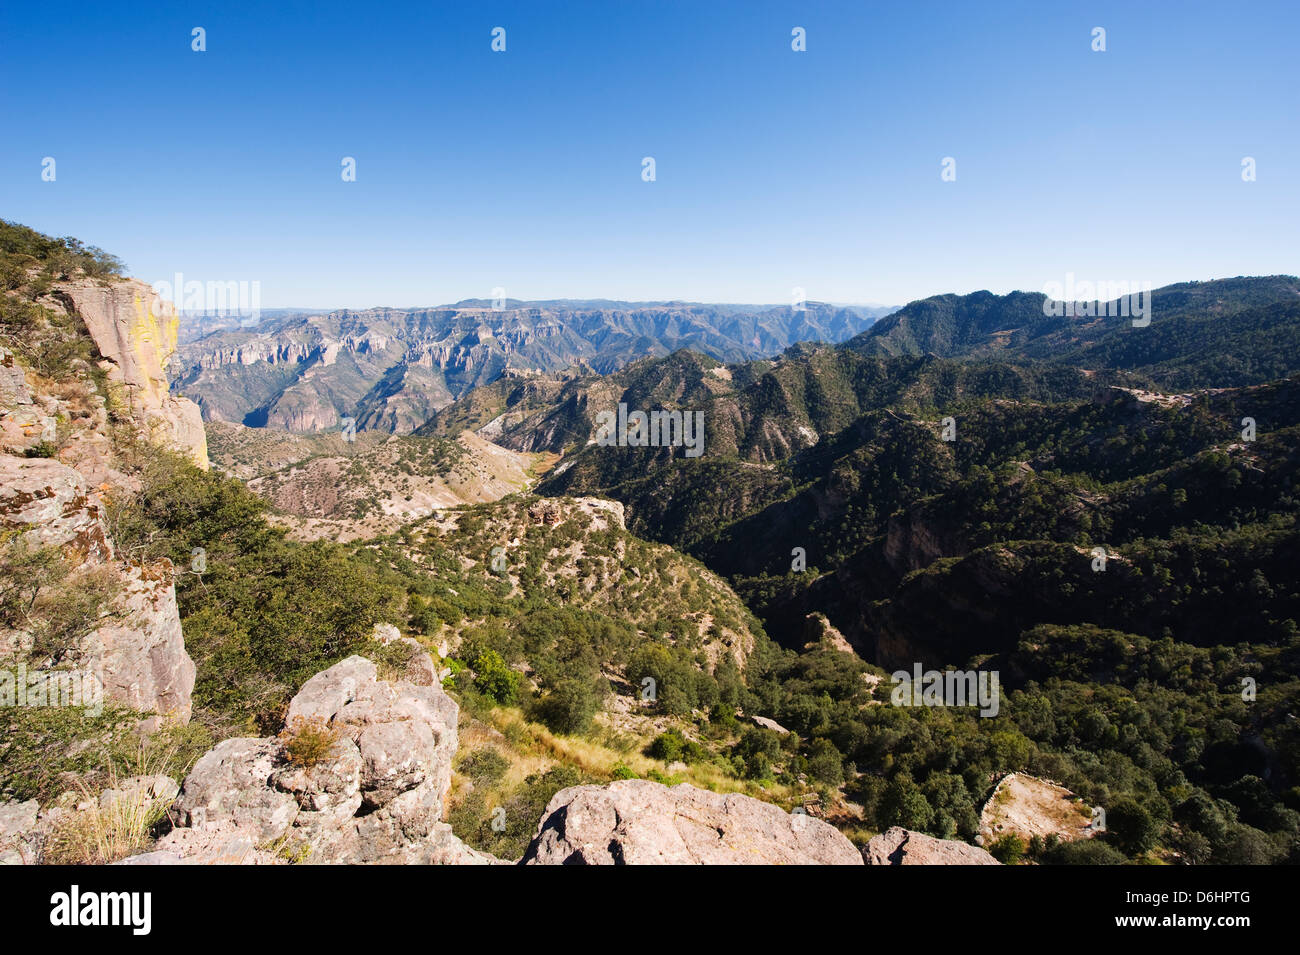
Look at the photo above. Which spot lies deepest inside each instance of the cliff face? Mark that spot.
(136, 334)
(87, 610)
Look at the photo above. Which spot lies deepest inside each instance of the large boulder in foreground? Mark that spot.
(639, 822)
(375, 796)
(899, 846)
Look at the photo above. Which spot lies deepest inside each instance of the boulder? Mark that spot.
(376, 797)
(420, 667)
(639, 822)
(230, 786)
(899, 846)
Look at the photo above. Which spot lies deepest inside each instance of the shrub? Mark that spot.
(570, 707)
(494, 678)
(42, 449)
(309, 741)
(667, 746)
(485, 766)
(1008, 850)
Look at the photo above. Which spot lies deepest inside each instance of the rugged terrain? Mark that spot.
(498, 640)
(389, 369)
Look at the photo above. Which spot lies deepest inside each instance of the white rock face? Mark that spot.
(377, 798)
(639, 822)
(899, 846)
(138, 653)
(49, 504)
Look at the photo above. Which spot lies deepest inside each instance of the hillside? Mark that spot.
(323, 486)
(983, 549)
(1226, 332)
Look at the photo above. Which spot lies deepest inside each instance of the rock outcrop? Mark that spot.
(1026, 806)
(49, 505)
(137, 652)
(136, 334)
(59, 463)
(376, 797)
(899, 846)
(639, 822)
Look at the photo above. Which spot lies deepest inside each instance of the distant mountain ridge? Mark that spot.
(1228, 333)
(391, 369)
(1186, 319)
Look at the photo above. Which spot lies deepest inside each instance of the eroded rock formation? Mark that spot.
(136, 334)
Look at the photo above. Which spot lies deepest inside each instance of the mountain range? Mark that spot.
(390, 369)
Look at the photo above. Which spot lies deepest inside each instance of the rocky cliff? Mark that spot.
(91, 377)
(136, 335)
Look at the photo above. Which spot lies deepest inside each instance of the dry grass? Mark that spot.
(103, 834)
(538, 749)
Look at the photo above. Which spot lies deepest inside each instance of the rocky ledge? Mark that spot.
(899, 846)
(638, 822)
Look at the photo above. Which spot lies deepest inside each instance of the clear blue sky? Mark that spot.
(774, 168)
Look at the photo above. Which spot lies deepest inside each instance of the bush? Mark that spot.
(672, 746)
(485, 766)
(1008, 850)
(494, 678)
(570, 707)
(825, 764)
(1131, 827)
(1082, 852)
(309, 741)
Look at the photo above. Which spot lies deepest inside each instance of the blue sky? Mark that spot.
(775, 169)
